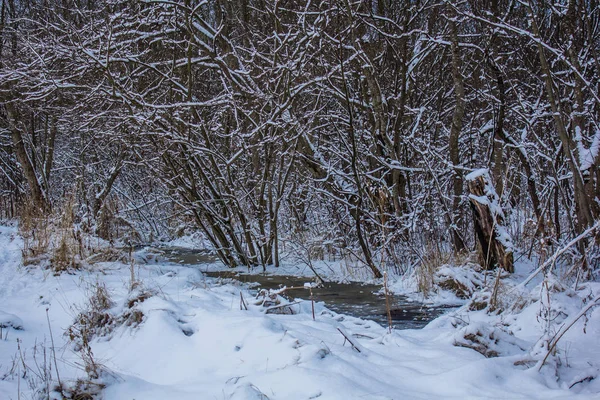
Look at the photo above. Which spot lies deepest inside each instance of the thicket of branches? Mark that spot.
(272, 125)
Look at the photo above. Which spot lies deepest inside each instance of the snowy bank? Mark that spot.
(180, 335)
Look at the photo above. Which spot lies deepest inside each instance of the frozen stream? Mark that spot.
(356, 299)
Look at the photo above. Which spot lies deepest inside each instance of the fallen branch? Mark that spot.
(281, 306)
(242, 302)
(355, 346)
(552, 260)
(586, 379)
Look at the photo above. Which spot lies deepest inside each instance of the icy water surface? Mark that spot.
(356, 299)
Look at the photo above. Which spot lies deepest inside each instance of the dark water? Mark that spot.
(353, 299)
(185, 256)
(356, 299)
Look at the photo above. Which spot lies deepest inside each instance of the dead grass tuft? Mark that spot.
(95, 320)
(33, 228)
(99, 319)
(51, 237)
(431, 260)
(82, 389)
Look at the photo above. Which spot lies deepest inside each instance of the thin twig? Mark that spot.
(242, 302)
(552, 260)
(566, 327)
(132, 267)
(18, 380)
(312, 303)
(387, 302)
(355, 347)
(53, 350)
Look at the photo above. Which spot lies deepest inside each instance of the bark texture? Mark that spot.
(38, 196)
(495, 244)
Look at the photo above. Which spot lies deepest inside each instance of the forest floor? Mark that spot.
(180, 335)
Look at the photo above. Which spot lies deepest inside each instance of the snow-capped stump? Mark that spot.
(10, 321)
(494, 240)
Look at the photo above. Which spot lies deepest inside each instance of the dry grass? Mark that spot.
(431, 260)
(83, 389)
(51, 237)
(34, 229)
(67, 249)
(54, 239)
(99, 320)
(95, 320)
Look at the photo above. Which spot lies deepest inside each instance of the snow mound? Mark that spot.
(181, 335)
(489, 340)
(10, 321)
(451, 284)
(248, 391)
(462, 281)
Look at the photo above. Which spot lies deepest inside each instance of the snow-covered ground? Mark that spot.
(180, 335)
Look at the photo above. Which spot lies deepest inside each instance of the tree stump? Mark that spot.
(494, 240)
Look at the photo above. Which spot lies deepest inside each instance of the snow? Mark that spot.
(10, 321)
(181, 335)
(587, 156)
(469, 280)
(194, 240)
(476, 174)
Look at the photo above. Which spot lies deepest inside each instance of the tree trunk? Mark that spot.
(582, 202)
(495, 242)
(37, 193)
(454, 145)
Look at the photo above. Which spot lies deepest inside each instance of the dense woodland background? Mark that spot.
(334, 128)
